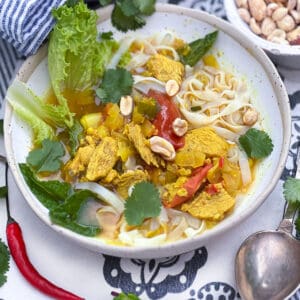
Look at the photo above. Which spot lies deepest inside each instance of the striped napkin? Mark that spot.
(26, 23)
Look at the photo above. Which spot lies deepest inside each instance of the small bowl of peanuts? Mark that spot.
(274, 25)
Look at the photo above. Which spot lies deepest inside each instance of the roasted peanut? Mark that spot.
(267, 26)
(287, 23)
(250, 117)
(254, 26)
(279, 13)
(291, 4)
(258, 9)
(271, 8)
(163, 147)
(172, 87)
(244, 14)
(242, 3)
(293, 35)
(296, 15)
(180, 126)
(278, 33)
(126, 105)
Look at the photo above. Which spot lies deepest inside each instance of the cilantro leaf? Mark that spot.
(47, 158)
(128, 8)
(115, 84)
(3, 191)
(123, 22)
(291, 190)
(49, 193)
(144, 202)
(4, 262)
(129, 296)
(1, 127)
(67, 214)
(194, 51)
(146, 7)
(256, 143)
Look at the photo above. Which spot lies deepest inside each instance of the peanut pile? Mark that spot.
(277, 21)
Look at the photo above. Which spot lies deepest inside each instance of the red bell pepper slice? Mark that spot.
(191, 185)
(165, 117)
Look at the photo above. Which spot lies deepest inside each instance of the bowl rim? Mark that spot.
(275, 49)
(188, 244)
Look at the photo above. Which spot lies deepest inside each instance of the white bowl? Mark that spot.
(282, 55)
(241, 56)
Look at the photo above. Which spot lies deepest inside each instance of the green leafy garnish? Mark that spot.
(50, 193)
(63, 202)
(115, 84)
(105, 2)
(47, 158)
(129, 296)
(128, 14)
(144, 202)
(4, 262)
(148, 107)
(291, 190)
(1, 127)
(3, 191)
(67, 214)
(194, 51)
(75, 134)
(256, 143)
(106, 35)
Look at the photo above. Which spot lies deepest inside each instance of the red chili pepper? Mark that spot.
(165, 117)
(18, 251)
(211, 189)
(191, 185)
(221, 162)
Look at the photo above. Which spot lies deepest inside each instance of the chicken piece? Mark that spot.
(79, 163)
(164, 68)
(128, 179)
(112, 174)
(199, 143)
(211, 207)
(141, 144)
(103, 159)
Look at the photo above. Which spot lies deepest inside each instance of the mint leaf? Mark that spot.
(106, 35)
(129, 296)
(49, 193)
(256, 143)
(3, 191)
(67, 214)
(115, 84)
(291, 190)
(47, 158)
(4, 262)
(123, 22)
(194, 51)
(144, 202)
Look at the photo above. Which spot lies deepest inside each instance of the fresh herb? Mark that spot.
(291, 192)
(48, 157)
(128, 14)
(256, 143)
(75, 134)
(195, 108)
(3, 191)
(129, 296)
(105, 2)
(194, 51)
(115, 84)
(50, 193)
(67, 214)
(148, 107)
(144, 202)
(106, 35)
(4, 262)
(63, 202)
(1, 127)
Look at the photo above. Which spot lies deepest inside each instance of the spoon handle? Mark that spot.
(286, 224)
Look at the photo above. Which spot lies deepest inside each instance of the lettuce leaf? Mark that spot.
(76, 59)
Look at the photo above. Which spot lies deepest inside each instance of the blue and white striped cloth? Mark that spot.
(26, 23)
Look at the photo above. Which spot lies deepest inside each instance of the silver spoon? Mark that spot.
(267, 265)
